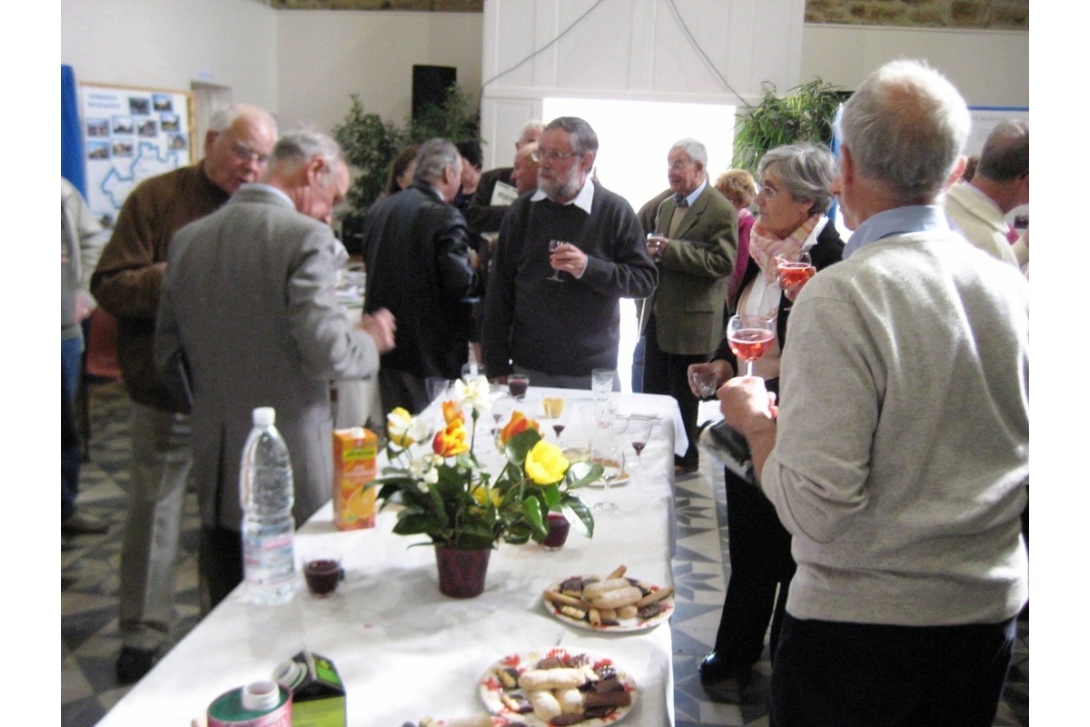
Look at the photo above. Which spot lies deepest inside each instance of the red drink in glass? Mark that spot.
(792, 274)
(749, 344)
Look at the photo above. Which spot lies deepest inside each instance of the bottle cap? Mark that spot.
(264, 416)
(261, 696)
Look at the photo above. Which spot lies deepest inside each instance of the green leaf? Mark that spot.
(576, 506)
(531, 507)
(581, 474)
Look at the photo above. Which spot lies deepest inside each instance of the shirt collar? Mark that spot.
(691, 198)
(582, 200)
(897, 221)
(270, 189)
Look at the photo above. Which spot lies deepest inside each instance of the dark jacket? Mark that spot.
(417, 254)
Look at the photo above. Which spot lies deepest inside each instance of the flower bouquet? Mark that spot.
(450, 496)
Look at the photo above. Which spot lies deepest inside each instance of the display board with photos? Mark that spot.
(129, 135)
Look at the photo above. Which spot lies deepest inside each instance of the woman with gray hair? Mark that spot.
(792, 205)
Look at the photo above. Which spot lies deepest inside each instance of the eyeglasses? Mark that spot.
(679, 165)
(551, 156)
(245, 154)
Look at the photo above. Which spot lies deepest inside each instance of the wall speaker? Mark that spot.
(430, 84)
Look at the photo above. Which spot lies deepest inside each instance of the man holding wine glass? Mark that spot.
(694, 244)
(903, 499)
(552, 310)
(792, 205)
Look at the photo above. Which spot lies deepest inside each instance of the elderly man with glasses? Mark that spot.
(695, 244)
(126, 283)
(566, 255)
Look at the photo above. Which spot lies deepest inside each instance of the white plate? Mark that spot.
(628, 625)
(490, 688)
(619, 482)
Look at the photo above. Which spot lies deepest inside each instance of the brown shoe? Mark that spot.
(80, 524)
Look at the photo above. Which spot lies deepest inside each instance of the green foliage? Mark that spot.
(370, 143)
(806, 113)
(464, 508)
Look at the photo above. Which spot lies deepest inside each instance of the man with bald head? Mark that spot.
(483, 215)
(126, 283)
(270, 258)
(999, 184)
(897, 454)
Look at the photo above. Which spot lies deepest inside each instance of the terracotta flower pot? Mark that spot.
(461, 572)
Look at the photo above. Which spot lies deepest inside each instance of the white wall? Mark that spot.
(630, 50)
(169, 43)
(325, 56)
(990, 68)
(302, 65)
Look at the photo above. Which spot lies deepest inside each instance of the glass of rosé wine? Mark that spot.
(794, 271)
(750, 337)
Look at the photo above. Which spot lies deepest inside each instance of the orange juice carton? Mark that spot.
(355, 463)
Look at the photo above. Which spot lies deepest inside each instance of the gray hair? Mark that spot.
(532, 125)
(806, 172)
(434, 156)
(906, 128)
(224, 118)
(583, 138)
(696, 150)
(1005, 156)
(298, 146)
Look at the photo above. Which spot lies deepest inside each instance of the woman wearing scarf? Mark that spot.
(792, 206)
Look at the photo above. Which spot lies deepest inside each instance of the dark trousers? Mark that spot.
(71, 453)
(398, 388)
(760, 562)
(845, 674)
(219, 564)
(668, 373)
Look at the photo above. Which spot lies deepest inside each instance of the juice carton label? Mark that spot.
(355, 463)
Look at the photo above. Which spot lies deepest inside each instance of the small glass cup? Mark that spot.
(517, 384)
(558, 531)
(705, 383)
(602, 382)
(323, 572)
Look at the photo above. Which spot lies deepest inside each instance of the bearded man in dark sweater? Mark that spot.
(553, 313)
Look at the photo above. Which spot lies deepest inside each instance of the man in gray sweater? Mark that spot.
(899, 458)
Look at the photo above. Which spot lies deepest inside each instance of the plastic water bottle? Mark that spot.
(266, 493)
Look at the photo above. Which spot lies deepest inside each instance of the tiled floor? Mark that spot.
(89, 584)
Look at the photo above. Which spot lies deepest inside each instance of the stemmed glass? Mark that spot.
(750, 337)
(795, 270)
(555, 277)
(553, 406)
(639, 432)
(611, 457)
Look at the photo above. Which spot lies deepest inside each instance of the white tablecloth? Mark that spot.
(403, 649)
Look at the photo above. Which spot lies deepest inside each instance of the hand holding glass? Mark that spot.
(750, 337)
(555, 277)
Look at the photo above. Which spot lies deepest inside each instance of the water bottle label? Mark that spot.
(269, 559)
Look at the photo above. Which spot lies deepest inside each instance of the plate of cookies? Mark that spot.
(611, 603)
(557, 686)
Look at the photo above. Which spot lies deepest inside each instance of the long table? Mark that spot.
(405, 650)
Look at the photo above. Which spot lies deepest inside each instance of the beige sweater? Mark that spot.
(902, 454)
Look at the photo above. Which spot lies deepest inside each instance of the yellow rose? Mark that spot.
(546, 463)
(480, 493)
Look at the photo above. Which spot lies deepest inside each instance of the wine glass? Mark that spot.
(795, 271)
(553, 406)
(555, 277)
(611, 457)
(750, 337)
(639, 432)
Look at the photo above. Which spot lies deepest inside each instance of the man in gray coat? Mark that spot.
(248, 307)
